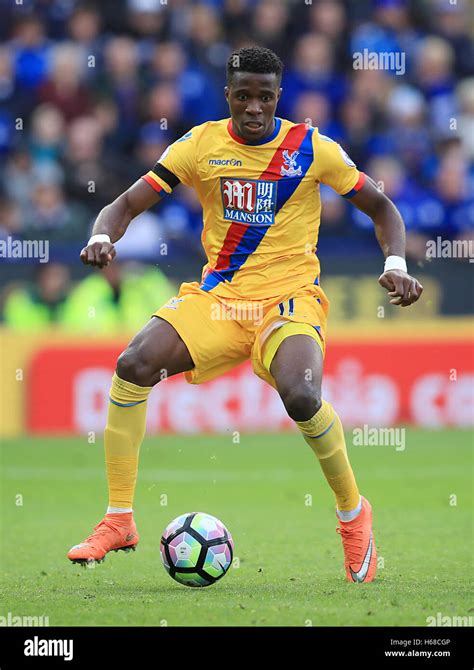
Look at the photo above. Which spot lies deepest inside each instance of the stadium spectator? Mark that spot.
(373, 86)
(236, 18)
(117, 298)
(206, 41)
(40, 304)
(122, 82)
(15, 101)
(200, 100)
(105, 112)
(312, 69)
(64, 87)
(30, 51)
(152, 141)
(435, 79)
(51, 216)
(465, 95)
(20, 176)
(10, 218)
(84, 30)
(408, 136)
(451, 21)
(329, 18)
(268, 25)
(167, 62)
(452, 185)
(47, 134)
(147, 18)
(315, 109)
(389, 30)
(357, 120)
(164, 106)
(93, 176)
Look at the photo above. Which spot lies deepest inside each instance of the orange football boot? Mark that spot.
(115, 532)
(360, 555)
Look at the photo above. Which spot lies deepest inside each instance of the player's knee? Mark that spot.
(133, 366)
(301, 401)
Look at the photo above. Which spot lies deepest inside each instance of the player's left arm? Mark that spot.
(402, 288)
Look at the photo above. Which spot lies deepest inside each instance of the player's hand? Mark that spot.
(402, 288)
(98, 254)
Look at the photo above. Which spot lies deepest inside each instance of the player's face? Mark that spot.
(252, 102)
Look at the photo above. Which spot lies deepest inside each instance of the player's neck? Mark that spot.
(268, 134)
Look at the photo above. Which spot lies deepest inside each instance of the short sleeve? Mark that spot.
(177, 164)
(335, 168)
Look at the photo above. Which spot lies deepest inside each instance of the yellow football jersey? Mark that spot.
(261, 203)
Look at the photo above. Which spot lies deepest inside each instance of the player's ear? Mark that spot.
(280, 91)
(226, 93)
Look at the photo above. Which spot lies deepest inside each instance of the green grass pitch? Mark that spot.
(269, 491)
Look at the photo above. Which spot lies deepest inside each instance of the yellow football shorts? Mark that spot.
(221, 333)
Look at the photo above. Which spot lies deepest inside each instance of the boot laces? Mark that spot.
(102, 528)
(353, 541)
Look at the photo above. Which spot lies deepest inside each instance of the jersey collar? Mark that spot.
(265, 140)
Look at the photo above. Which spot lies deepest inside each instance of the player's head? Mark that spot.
(253, 90)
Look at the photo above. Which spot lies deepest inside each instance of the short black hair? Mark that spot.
(259, 60)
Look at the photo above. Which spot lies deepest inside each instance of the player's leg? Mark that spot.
(156, 352)
(297, 369)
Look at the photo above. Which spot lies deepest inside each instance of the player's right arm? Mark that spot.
(175, 165)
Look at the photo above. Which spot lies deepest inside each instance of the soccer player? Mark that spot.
(257, 177)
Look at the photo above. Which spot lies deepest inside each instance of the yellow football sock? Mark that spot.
(324, 434)
(122, 439)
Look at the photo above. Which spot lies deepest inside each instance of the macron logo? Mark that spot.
(225, 161)
(41, 647)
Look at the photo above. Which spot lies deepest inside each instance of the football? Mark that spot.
(196, 549)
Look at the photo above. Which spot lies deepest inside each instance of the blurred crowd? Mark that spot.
(119, 299)
(91, 94)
